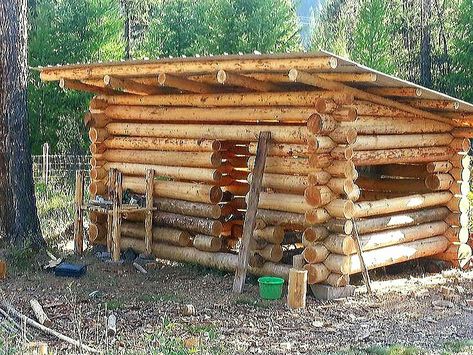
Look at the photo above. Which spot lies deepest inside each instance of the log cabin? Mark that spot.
(359, 168)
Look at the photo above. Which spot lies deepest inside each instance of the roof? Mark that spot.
(329, 65)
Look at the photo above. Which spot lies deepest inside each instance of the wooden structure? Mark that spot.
(349, 147)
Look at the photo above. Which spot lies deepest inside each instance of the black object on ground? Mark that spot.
(70, 270)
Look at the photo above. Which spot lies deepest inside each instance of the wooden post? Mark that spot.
(297, 288)
(149, 212)
(359, 251)
(112, 177)
(78, 212)
(250, 216)
(116, 217)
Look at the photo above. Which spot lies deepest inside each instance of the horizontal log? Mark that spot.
(280, 134)
(462, 132)
(337, 280)
(189, 223)
(175, 172)
(281, 218)
(457, 234)
(314, 234)
(207, 243)
(283, 150)
(397, 204)
(404, 219)
(191, 159)
(188, 208)
(316, 273)
(317, 216)
(165, 235)
(270, 234)
(166, 144)
(216, 114)
(271, 252)
(405, 155)
(439, 167)
(315, 253)
(438, 182)
(218, 260)
(283, 183)
(290, 98)
(375, 142)
(318, 196)
(457, 219)
(283, 202)
(282, 165)
(170, 189)
(340, 226)
(396, 125)
(387, 255)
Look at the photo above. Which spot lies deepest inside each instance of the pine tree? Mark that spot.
(372, 37)
(462, 77)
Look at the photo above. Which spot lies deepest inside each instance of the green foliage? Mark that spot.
(184, 27)
(67, 31)
(372, 36)
(462, 76)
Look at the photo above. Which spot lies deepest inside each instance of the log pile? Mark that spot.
(341, 160)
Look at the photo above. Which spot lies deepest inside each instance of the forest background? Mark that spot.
(429, 42)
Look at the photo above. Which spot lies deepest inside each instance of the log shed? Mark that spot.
(348, 146)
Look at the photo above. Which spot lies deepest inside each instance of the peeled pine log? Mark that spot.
(320, 177)
(317, 216)
(283, 202)
(315, 253)
(237, 188)
(222, 261)
(396, 236)
(407, 218)
(385, 256)
(339, 244)
(459, 255)
(98, 231)
(394, 185)
(340, 226)
(283, 183)
(166, 144)
(291, 98)
(320, 161)
(216, 114)
(175, 172)
(406, 155)
(337, 280)
(192, 224)
(439, 181)
(284, 150)
(271, 234)
(279, 134)
(297, 289)
(316, 273)
(207, 243)
(281, 165)
(340, 168)
(375, 142)
(191, 159)
(411, 202)
(461, 145)
(318, 196)
(287, 219)
(460, 174)
(271, 252)
(130, 86)
(439, 167)
(396, 125)
(160, 234)
(320, 144)
(314, 233)
(234, 79)
(188, 208)
(462, 132)
(170, 189)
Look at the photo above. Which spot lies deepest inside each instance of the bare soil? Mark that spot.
(424, 310)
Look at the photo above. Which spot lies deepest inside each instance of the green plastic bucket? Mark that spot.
(270, 288)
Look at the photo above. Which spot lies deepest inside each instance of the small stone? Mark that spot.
(188, 310)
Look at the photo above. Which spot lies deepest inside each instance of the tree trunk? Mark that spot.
(425, 45)
(18, 218)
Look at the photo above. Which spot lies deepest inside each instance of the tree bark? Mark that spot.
(19, 222)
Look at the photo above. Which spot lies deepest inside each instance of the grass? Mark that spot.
(448, 348)
(249, 301)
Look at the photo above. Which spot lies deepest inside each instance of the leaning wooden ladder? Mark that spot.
(115, 213)
(250, 216)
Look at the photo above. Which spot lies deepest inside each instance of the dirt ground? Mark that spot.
(431, 312)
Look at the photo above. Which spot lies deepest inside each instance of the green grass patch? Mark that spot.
(114, 304)
(458, 346)
(249, 301)
(395, 350)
